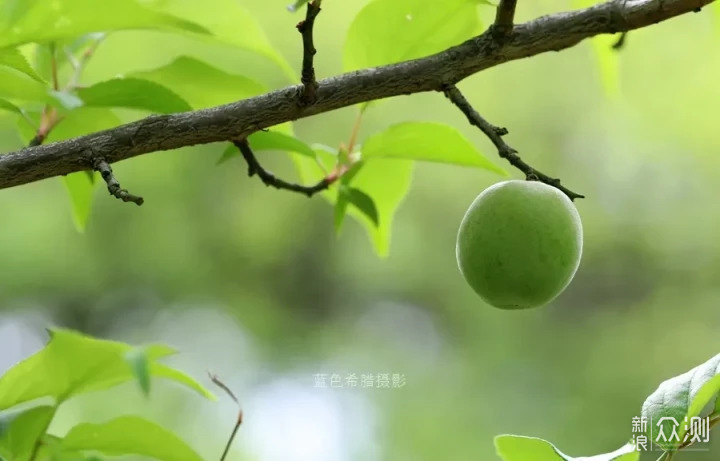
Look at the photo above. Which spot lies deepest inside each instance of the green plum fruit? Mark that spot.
(519, 244)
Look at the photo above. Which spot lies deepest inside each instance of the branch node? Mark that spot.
(113, 185)
(504, 150)
(308, 93)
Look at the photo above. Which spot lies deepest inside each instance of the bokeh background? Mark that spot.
(253, 284)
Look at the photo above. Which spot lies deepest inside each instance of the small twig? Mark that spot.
(48, 120)
(221, 385)
(254, 168)
(504, 16)
(238, 421)
(80, 65)
(617, 46)
(113, 185)
(495, 134)
(54, 66)
(305, 27)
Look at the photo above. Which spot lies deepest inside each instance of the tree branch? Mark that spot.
(433, 73)
(310, 85)
(254, 168)
(504, 17)
(496, 136)
(113, 185)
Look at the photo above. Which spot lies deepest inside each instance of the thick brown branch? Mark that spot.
(496, 136)
(504, 17)
(254, 168)
(310, 84)
(237, 120)
(113, 185)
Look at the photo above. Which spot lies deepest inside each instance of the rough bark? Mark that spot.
(433, 73)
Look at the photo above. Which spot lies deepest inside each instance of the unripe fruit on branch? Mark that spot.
(519, 244)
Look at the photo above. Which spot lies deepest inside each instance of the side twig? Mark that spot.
(495, 134)
(620, 43)
(254, 168)
(238, 421)
(504, 17)
(113, 185)
(305, 27)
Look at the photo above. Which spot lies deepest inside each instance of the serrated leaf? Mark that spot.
(231, 23)
(389, 31)
(140, 366)
(73, 364)
(520, 448)
(133, 93)
(270, 140)
(129, 435)
(681, 397)
(12, 57)
(81, 185)
(20, 429)
(200, 84)
(427, 141)
(41, 21)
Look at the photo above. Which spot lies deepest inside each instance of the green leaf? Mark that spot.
(388, 31)
(129, 435)
(133, 93)
(364, 203)
(200, 84)
(681, 397)
(359, 199)
(163, 371)
(73, 364)
(7, 105)
(340, 209)
(519, 448)
(385, 181)
(81, 185)
(15, 84)
(140, 365)
(12, 57)
(231, 24)
(41, 22)
(432, 142)
(608, 59)
(271, 140)
(20, 429)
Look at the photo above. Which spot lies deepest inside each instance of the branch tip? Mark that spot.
(495, 135)
(103, 167)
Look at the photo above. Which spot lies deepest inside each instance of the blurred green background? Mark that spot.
(252, 283)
